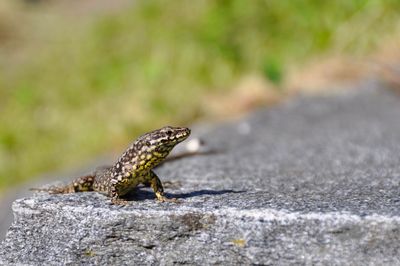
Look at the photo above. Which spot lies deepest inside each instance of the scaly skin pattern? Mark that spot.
(133, 167)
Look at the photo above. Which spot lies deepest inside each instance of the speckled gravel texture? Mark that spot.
(314, 181)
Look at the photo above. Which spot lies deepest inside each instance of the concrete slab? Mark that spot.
(314, 181)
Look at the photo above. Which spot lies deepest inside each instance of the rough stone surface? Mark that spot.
(313, 181)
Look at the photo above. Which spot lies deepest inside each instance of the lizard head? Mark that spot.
(164, 139)
(154, 146)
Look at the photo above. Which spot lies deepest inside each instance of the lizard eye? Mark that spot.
(169, 132)
(148, 143)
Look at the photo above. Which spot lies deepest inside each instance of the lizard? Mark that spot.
(132, 168)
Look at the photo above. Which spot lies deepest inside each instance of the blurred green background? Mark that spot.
(84, 78)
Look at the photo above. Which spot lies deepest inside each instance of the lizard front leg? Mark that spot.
(156, 185)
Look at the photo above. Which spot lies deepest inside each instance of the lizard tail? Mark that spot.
(55, 190)
(80, 184)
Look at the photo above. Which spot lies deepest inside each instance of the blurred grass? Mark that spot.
(76, 85)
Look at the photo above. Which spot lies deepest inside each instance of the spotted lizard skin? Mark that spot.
(133, 167)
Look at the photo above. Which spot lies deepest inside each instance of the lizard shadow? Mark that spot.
(202, 192)
(143, 194)
(190, 154)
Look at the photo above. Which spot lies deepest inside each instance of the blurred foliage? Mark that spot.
(73, 86)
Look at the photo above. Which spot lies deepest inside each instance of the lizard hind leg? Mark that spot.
(115, 198)
(83, 183)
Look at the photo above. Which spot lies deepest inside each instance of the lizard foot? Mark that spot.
(119, 202)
